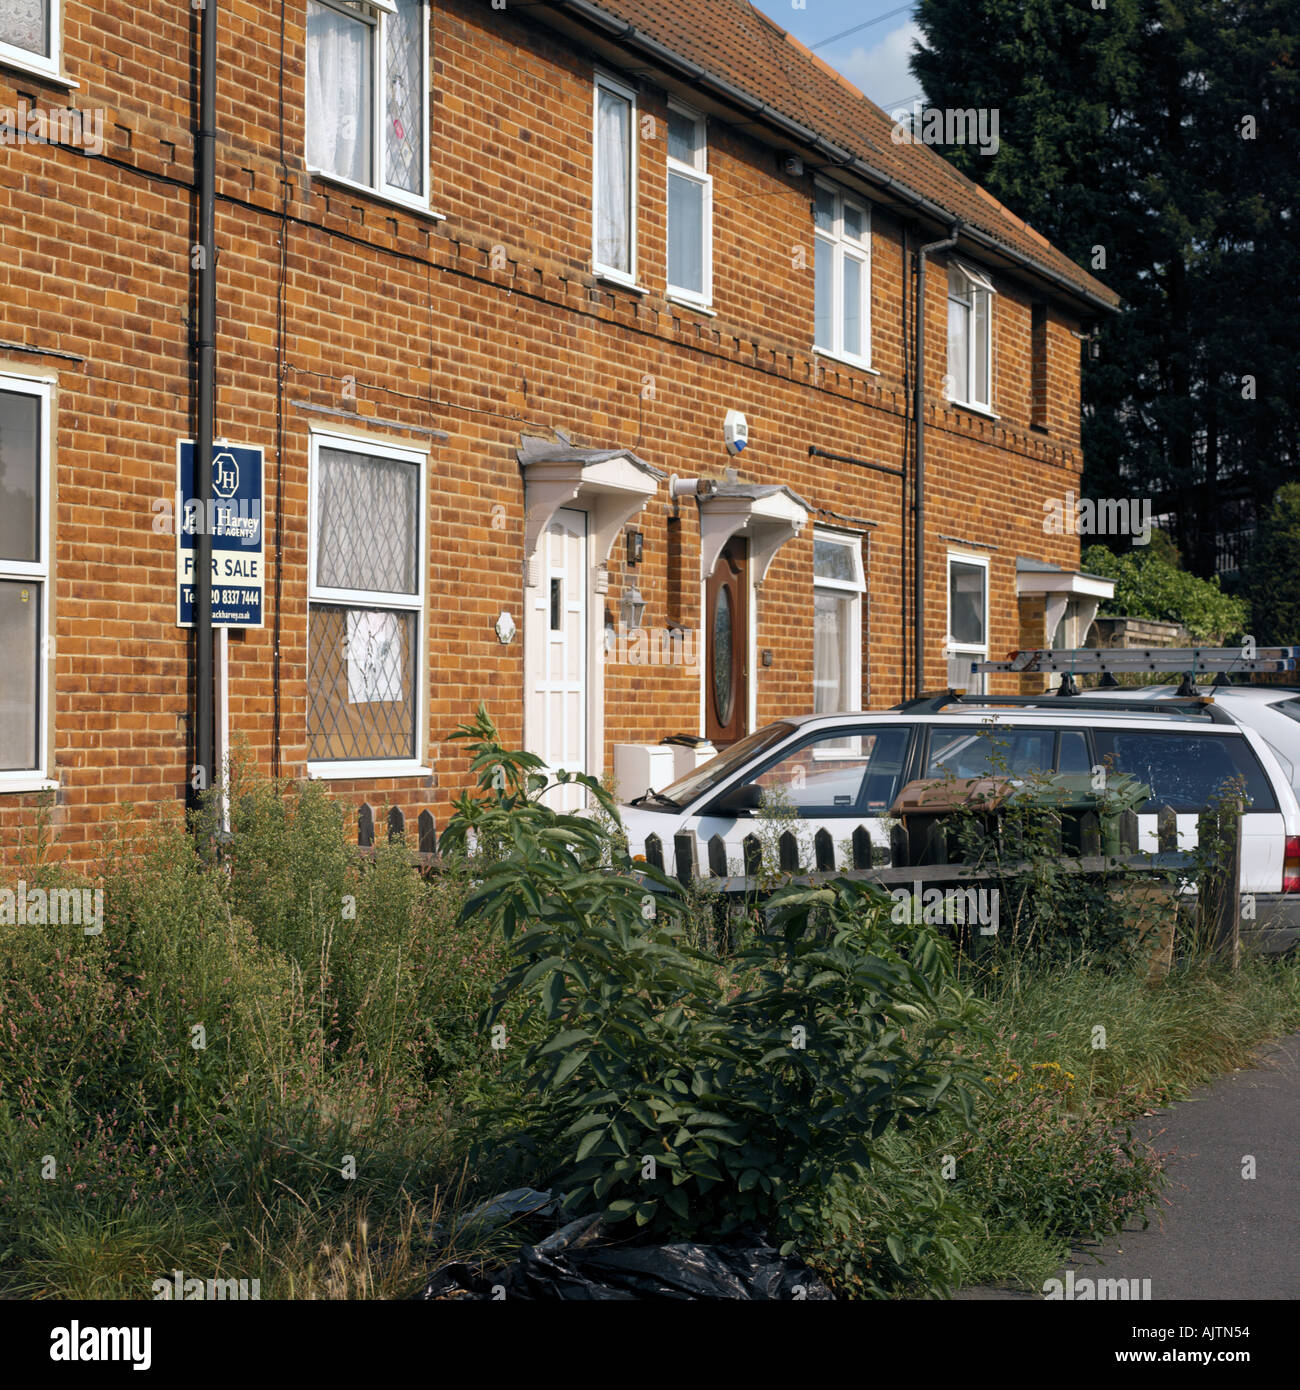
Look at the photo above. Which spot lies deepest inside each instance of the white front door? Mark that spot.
(557, 675)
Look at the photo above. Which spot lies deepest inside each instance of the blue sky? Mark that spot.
(873, 58)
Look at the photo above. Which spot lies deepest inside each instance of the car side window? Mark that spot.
(840, 772)
(1073, 754)
(973, 751)
(1187, 771)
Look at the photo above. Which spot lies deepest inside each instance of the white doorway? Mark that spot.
(557, 657)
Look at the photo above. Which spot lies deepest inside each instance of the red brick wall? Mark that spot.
(96, 263)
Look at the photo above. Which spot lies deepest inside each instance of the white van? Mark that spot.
(837, 773)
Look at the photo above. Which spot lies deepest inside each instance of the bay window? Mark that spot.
(690, 209)
(365, 621)
(24, 578)
(614, 181)
(368, 94)
(842, 270)
(970, 336)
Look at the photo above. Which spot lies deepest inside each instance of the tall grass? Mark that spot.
(259, 1069)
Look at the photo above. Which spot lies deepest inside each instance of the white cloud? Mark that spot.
(882, 71)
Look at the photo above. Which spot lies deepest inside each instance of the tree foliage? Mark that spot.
(1155, 142)
(1273, 578)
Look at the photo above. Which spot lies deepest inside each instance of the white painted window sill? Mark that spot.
(856, 363)
(615, 282)
(412, 205)
(33, 783)
(362, 772)
(37, 69)
(974, 409)
(691, 304)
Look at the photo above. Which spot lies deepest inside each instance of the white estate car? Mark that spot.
(841, 771)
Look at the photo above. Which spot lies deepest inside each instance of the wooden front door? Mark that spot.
(726, 625)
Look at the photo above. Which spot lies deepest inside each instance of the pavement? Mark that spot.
(1218, 1234)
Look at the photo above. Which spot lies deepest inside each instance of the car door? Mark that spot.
(832, 780)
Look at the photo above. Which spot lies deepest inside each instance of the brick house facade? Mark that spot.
(449, 314)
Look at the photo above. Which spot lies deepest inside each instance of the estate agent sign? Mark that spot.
(235, 522)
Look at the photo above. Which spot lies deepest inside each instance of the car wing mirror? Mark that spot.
(748, 796)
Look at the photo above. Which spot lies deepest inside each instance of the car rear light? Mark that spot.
(1291, 865)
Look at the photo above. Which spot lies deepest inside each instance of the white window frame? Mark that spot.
(379, 186)
(857, 588)
(976, 652)
(38, 572)
(696, 173)
(371, 599)
(844, 247)
(48, 66)
(977, 282)
(607, 272)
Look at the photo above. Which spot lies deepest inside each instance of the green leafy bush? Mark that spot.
(690, 1093)
(1149, 583)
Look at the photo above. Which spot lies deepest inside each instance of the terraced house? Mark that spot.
(501, 292)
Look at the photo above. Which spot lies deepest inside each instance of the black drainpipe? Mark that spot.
(918, 548)
(206, 392)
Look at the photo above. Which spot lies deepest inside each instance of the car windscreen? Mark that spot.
(1186, 770)
(716, 771)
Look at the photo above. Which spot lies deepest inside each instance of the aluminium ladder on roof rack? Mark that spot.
(1191, 706)
(1082, 661)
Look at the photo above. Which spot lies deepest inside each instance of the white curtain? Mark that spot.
(338, 93)
(25, 24)
(958, 349)
(828, 647)
(614, 182)
(366, 523)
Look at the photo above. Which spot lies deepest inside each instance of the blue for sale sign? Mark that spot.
(234, 520)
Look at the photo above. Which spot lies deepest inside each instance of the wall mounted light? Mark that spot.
(632, 607)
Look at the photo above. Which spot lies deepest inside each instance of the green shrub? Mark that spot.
(692, 1094)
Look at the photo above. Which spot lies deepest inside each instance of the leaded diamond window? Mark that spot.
(366, 601)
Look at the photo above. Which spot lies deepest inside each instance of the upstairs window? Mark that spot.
(368, 95)
(690, 208)
(614, 182)
(842, 251)
(970, 336)
(24, 577)
(29, 33)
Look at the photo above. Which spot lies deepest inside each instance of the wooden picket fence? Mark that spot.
(1085, 844)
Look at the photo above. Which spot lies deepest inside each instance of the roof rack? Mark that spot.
(1080, 661)
(1174, 705)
